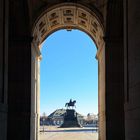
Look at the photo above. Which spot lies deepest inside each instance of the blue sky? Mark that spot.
(69, 70)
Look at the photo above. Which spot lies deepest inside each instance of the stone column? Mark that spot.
(37, 96)
(114, 71)
(19, 71)
(101, 92)
(35, 91)
(132, 69)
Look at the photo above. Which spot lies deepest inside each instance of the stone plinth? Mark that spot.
(70, 119)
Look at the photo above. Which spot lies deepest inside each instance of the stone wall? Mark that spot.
(132, 69)
(19, 72)
(3, 67)
(114, 71)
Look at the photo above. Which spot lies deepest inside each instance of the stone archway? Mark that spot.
(66, 16)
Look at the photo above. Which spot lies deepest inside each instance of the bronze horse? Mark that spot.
(71, 103)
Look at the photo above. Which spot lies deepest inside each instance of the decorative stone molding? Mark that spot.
(68, 17)
(36, 50)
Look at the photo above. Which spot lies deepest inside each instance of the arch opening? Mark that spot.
(68, 70)
(66, 17)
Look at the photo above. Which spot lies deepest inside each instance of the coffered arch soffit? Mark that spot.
(68, 16)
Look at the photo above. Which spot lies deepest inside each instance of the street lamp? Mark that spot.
(44, 120)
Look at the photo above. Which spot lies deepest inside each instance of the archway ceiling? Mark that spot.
(36, 6)
(68, 17)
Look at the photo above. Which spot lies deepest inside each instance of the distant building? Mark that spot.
(91, 120)
(57, 118)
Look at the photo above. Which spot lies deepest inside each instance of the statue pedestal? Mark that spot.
(70, 119)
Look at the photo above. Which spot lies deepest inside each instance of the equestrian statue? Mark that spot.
(70, 104)
(70, 117)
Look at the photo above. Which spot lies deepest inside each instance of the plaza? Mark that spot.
(54, 133)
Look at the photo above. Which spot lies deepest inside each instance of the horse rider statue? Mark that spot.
(70, 104)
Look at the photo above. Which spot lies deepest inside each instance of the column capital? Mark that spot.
(99, 50)
(36, 49)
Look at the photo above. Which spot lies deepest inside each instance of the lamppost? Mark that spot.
(44, 115)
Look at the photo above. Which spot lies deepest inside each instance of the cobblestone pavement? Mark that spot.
(53, 133)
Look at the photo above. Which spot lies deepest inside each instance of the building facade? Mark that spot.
(57, 118)
(116, 31)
